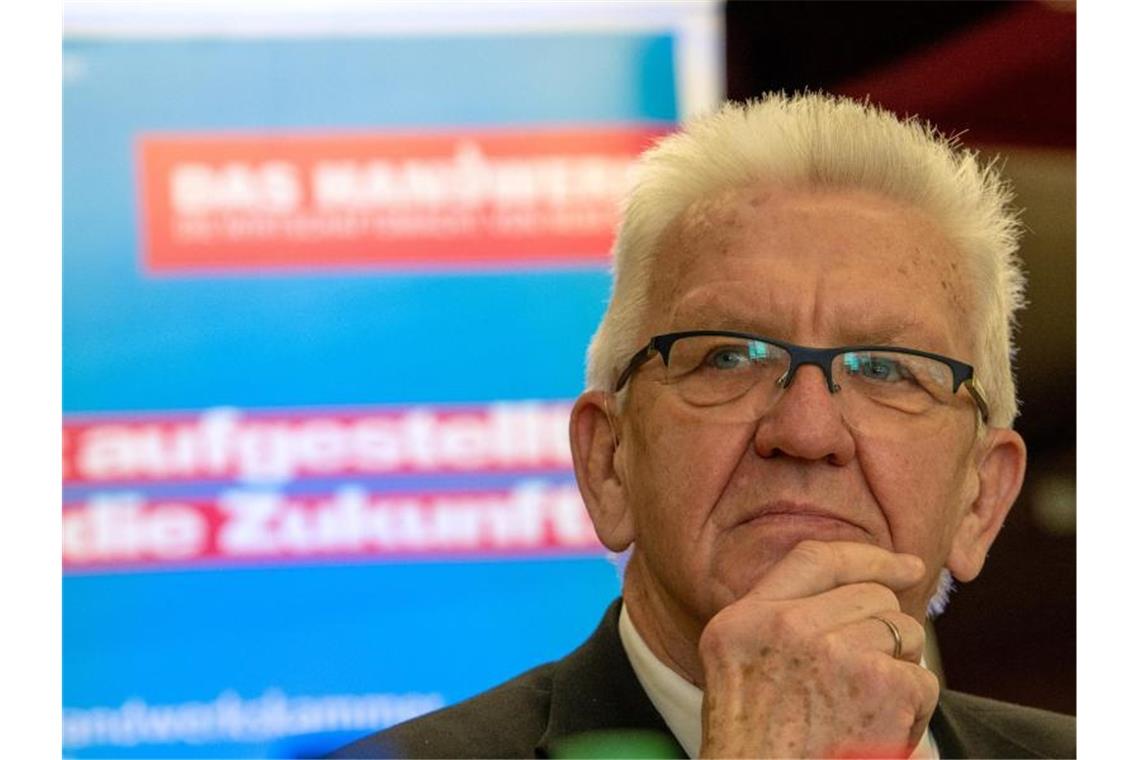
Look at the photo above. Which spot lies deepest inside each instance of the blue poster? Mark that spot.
(326, 306)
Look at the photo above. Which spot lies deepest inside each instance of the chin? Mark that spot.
(740, 577)
(752, 548)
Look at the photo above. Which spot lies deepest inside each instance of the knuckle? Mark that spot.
(889, 598)
(815, 552)
(911, 629)
(878, 597)
(920, 690)
(716, 639)
(832, 646)
(902, 716)
(929, 686)
(875, 673)
(712, 640)
(791, 623)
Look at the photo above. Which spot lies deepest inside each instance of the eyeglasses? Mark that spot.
(878, 388)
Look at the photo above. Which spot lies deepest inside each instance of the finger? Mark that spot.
(875, 633)
(813, 567)
(901, 697)
(926, 689)
(907, 695)
(843, 606)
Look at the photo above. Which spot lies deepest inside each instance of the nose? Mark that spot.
(806, 422)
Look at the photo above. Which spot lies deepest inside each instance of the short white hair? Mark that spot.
(817, 140)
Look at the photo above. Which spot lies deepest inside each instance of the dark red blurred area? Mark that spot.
(1006, 72)
(1008, 78)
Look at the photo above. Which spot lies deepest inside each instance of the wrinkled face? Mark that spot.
(716, 503)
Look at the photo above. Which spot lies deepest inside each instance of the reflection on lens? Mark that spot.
(885, 393)
(906, 382)
(710, 370)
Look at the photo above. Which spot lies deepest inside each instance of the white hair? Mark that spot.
(818, 140)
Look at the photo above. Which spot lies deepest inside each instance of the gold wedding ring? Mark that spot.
(894, 629)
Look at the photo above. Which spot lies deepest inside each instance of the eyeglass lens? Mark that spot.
(882, 391)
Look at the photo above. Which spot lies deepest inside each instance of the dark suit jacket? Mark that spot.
(594, 689)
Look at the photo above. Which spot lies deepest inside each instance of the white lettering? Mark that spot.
(231, 717)
(469, 178)
(249, 527)
(123, 527)
(221, 443)
(271, 187)
(120, 528)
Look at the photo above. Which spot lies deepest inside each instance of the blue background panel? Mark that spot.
(133, 342)
(136, 342)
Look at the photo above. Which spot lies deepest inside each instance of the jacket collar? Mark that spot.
(595, 689)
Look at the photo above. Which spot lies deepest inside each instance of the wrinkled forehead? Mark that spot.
(706, 224)
(733, 241)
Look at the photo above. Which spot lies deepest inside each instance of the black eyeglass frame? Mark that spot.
(798, 356)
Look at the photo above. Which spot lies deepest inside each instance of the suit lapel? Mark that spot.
(949, 733)
(969, 726)
(595, 689)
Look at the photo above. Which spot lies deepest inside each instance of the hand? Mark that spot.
(798, 667)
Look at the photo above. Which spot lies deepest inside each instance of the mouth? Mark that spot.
(802, 517)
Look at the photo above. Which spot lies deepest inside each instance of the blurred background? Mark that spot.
(329, 274)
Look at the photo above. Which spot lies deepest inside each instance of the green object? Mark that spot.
(616, 743)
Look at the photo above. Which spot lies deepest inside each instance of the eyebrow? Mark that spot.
(886, 336)
(903, 332)
(728, 309)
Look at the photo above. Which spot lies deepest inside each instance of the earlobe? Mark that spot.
(1000, 472)
(594, 443)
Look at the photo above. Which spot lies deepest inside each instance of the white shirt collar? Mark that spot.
(679, 701)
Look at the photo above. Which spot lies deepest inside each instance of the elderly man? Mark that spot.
(799, 421)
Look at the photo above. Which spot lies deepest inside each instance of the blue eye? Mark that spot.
(878, 368)
(726, 357)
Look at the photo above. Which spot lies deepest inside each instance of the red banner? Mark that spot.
(226, 444)
(465, 199)
(124, 530)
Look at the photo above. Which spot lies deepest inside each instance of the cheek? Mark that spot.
(921, 492)
(920, 489)
(678, 468)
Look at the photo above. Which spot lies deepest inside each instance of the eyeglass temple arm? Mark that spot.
(979, 398)
(641, 357)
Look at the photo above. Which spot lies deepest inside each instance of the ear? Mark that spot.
(597, 466)
(1000, 471)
